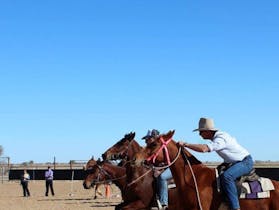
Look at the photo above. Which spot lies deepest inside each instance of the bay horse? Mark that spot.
(140, 179)
(104, 172)
(196, 182)
(86, 168)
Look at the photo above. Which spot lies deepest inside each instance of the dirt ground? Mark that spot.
(68, 196)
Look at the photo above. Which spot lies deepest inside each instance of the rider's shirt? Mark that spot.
(227, 147)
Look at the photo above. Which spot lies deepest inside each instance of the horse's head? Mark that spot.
(90, 163)
(120, 149)
(92, 173)
(156, 152)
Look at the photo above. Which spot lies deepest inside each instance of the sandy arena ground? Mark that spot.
(68, 196)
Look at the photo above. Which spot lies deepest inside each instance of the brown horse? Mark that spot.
(86, 168)
(196, 182)
(141, 182)
(104, 172)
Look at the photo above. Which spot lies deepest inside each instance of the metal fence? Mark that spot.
(4, 168)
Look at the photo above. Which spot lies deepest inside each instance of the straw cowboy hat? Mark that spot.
(206, 124)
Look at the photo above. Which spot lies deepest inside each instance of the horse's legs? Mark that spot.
(97, 191)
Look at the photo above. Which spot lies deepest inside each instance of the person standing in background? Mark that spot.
(49, 181)
(24, 179)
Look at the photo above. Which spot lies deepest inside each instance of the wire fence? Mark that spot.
(4, 168)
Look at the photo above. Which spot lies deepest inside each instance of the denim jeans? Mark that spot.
(230, 175)
(162, 186)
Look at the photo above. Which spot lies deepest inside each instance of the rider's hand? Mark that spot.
(157, 172)
(182, 144)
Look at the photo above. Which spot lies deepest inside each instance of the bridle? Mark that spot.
(153, 158)
(107, 177)
(164, 148)
(125, 153)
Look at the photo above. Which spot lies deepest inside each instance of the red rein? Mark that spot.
(163, 147)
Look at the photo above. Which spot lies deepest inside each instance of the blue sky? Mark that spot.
(76, 76)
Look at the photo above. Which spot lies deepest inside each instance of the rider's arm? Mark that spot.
(197, 147)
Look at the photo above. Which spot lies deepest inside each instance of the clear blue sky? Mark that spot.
(75, 76)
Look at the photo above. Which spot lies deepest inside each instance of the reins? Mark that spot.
(137, 179)
(102, 170)
(167, 166)
(194, 177)
(154, 168)
(108, 180)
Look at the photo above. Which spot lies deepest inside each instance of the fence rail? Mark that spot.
(79, 174)
(74, 170)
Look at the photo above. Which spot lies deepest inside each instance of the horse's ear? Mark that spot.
(99, 161)
(133, 134)
(130, 136)
(92, 158)
(170, 134)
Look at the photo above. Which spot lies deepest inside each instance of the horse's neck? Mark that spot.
(187, 156)
(117, 173)
(114, 170)
(189, 174)
(173, 153)
(185, 164)
(134, 147)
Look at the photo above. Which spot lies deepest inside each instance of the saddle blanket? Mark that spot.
(257, 189)
(252, 190)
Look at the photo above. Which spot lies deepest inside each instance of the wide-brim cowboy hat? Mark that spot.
(206, 124)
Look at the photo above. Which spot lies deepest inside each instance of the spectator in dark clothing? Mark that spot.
(49, 181)
(24, 179)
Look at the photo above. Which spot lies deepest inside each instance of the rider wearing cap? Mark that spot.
(161, 176)
(230, 150)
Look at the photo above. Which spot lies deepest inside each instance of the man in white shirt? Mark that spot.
(227, 148)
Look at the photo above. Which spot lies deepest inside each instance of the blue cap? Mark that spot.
(151, 133)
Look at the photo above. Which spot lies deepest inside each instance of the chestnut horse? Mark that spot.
(196, 182)
(141, 182)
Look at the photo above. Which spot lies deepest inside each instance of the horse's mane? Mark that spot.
(189, 156)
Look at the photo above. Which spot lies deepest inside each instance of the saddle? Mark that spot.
(250, 177)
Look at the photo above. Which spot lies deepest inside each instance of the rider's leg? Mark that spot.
(230, 175)
(162, 185)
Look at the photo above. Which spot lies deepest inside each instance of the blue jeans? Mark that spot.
(162, 186)
(230, 175)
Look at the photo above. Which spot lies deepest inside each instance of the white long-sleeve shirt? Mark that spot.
(227, 147)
